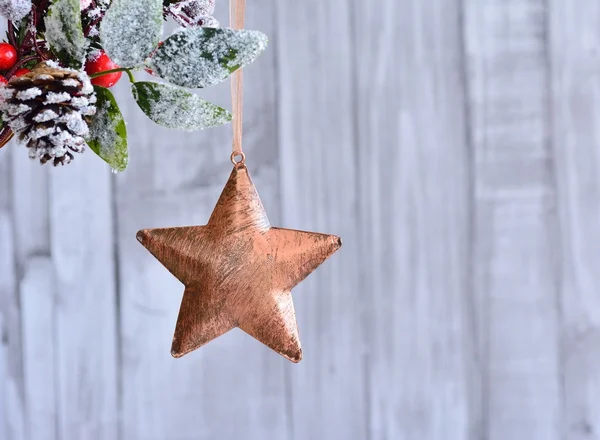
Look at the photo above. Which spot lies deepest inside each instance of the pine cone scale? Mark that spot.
(47, 109)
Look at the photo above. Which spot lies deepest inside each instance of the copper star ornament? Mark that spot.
(238, 271)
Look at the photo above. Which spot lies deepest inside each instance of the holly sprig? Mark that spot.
(24, 37)
(129, 33)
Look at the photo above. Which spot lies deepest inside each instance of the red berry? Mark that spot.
(102, 63)
(3, 81)
(21, 72)
(8, 56)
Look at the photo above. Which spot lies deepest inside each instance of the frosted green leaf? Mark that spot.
(173, 107)
(64, 32)
(131, 30)
(202, 57)
(108, 133)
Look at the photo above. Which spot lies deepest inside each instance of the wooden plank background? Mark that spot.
(453, 144)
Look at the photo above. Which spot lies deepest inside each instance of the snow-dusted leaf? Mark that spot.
(64, 32)
(173, 107)
(108, 133)
(202, 57)
(131, 30)
(15, 10)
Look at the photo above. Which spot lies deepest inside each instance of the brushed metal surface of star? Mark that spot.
(238, 271)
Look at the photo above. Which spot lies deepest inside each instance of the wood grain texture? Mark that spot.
(414, 184)
(234, 387)
(575, 73)
(36, 291)
(39, 349)
(13, 422)
(452, 144)
(12, 390)
(327, 394)
(82, 237)
(515, 236)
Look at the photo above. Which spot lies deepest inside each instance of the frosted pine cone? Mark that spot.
(47, 109)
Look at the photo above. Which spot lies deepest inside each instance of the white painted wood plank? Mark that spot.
(12, 408)
(415, 195)
(12, 417)
(12, 394)
(32, 254)
(3, 374)
(30, 206)
(38, 328)
(575, 56)
(29, 211)
(327, 389)
(6, 288)
(515, 258)
(234, 387)
(82, 237)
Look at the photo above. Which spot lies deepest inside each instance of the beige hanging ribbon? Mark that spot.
(237, 10)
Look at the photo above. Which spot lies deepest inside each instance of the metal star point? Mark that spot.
(238, 271)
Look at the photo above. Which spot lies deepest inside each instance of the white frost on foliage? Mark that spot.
(94, 13)
(131, 30)
(6, 93)
(208, 21)
(87, 87)
(72, 120)
(55, 131)
(64, 31)
(27, 94)
(75, 123)
(15, 10)
(55, 65)
(93, 55)
(63, 138)
(18, 124)
(191, 13)
(93, 31)
(45, 116)
(57, 98)
(70, 82)
(202, 57)
(194, 8)
(89, 110)
(40, 132)
(177, 108)
(86, 83)
(80, 101)
(17, 109)
(104, 134)
(45, 77)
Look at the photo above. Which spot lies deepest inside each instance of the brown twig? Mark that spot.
(181, 20)
(36, 46)
(5, 136)
(11, 34)
(20, 63)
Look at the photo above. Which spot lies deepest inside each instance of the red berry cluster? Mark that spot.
(8, 59)
(101, 62)
(98, 63)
